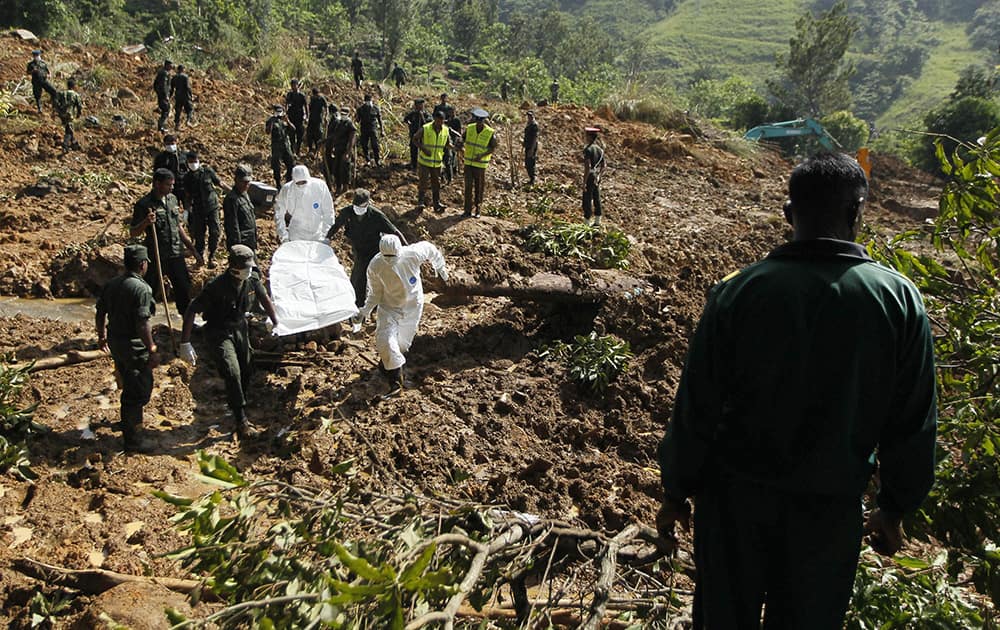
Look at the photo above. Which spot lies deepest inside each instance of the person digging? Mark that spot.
(224, 304)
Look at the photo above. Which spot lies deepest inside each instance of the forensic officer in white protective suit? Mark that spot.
(394, 287)
(303, 210)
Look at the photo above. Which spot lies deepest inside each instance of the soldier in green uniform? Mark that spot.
(364, 225)
(593, 168)
(554, 90)
(38, 70)
(398, 76)
(180, 88)
(69, 106)
(171, 159)
(298, 113)
(203, 206)
(280, 129)
(358, 70)
(159, 210)
(125, 305)
(317, 114)
(415, 120)
(345, 135)
(238, 213)
(224, 303)
(161, 87)
(807, 370)
(370, 121)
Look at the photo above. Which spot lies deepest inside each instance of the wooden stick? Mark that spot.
(97, 581)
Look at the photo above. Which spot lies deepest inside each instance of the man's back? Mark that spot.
(817, 350)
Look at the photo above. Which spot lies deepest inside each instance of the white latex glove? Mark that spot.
(188, 353)
(443, 273)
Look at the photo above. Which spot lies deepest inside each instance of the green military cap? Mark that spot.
(240, 257)
(243, 173)
(135, 254)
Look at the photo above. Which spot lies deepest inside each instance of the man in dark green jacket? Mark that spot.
(158, 211)
(238, 213)
(807, 370)
(224, 303)
(364, 225)
(203, 206)
(38, 70)
(125, 305)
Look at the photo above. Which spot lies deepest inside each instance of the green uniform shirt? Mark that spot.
(365, 231)
(69, 105)
(225, 301)
(280, 144)
(802, 366)
(168, 230)
(593, 155)
(200, 185)
(239, 220)
(128, 302)
(38, 70)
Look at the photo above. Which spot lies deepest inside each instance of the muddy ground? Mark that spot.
(484, 418)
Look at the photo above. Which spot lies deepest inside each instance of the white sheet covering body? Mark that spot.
(310, 288)
(310, 206)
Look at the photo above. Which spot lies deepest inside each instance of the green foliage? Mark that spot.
(607, 248)
(279, 67)
(813, 74)
(850, 132)
(735, 102)
(655, 111)
(974, 81)
(909, 593)
(984, 29)
(963, 120)
(593, 361)
(284, 556)
(959, 284)
(17, 428)
(44, 611)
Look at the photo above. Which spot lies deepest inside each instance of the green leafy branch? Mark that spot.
(607, 248)
(284, 556)
(593, 360)
(17, 427)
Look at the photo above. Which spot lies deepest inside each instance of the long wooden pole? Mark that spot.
(163, 288)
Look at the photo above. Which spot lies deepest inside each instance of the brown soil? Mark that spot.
(482, 406)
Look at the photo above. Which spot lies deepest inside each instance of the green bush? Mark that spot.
(593, 361)
(605, 248)
(655, 111)
(17, 427)
(962, 120)
(850, 132)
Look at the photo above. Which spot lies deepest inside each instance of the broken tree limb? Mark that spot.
(602, 589)
(96, 581)
(594, 287)
(73, 357)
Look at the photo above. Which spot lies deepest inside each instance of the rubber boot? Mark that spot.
(395, 378)
(242, 427)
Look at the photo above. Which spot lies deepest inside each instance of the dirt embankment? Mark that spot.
(484, 419)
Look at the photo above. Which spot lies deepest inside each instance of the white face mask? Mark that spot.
(359, 210)
(194, 166)
(242, 274)
(172, 148)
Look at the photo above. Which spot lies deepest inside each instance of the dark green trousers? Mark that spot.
(233, 358)
(792, 554)
(132, 362)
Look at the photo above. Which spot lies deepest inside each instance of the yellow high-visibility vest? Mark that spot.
(436, 141)
(476, 143)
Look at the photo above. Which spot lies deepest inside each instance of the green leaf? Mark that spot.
(173, 499)
(359, 566)
(416, 569)
(914, 564)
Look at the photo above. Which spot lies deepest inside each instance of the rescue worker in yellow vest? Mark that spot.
(480, 141)
(431, 141)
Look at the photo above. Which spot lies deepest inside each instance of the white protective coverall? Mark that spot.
(309, 204)
(394, 287)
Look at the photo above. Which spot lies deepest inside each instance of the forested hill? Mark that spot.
(908, 54)
(867, 63)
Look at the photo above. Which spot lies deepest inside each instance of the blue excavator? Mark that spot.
(791, 128)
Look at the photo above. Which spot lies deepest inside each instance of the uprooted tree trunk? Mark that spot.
(596, 286)
(62, 360)
(95, 581)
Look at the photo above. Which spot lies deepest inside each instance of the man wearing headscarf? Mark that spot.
(303, 210)
(394, 286)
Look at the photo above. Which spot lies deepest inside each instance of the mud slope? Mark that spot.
(484, 419)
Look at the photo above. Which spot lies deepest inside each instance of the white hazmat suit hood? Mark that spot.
(394, 286)
(308, 202)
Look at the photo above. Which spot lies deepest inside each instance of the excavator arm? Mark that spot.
(791, 128)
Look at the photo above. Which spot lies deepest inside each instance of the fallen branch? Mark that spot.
(73, 357)
(602, 590)
(96, 581)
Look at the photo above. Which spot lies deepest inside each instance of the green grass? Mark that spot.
(729, 37)
(946, 61)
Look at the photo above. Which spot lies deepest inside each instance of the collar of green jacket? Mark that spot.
(821, 248)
